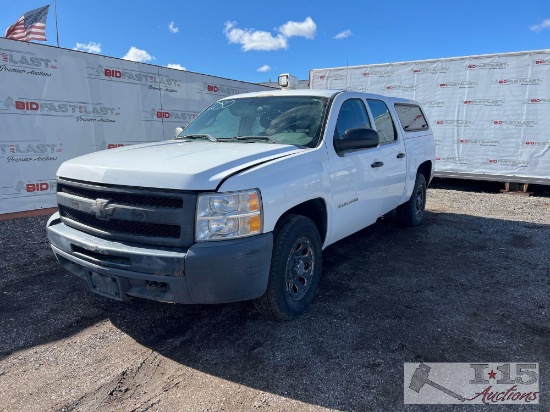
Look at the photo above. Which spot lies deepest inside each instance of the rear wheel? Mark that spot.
(295, 269)
(411, 213)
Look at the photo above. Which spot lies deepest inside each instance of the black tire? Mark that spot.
(411, 213)
(295, 269)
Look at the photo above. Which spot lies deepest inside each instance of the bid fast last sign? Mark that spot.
(56, 104)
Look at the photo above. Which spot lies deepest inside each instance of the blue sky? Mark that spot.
(256, 40)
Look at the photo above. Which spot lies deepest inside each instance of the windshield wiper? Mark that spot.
(252, 138)
(198, 136)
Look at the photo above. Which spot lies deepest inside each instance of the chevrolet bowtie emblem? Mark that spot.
(102, 209)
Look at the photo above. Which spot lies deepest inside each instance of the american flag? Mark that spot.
(30, 26)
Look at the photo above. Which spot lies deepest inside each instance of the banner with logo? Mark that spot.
(489, 114)
(56, 104)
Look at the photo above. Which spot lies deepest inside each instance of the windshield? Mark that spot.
(294, 120)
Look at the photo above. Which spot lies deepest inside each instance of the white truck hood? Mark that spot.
(187, 165)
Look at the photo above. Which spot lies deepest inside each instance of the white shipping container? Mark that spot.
(490, 114)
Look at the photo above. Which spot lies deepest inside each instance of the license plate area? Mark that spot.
(105, 285)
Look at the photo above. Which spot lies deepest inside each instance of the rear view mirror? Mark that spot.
(178, 131)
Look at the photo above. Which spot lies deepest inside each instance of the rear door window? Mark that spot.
(383, 122)
(411, 117)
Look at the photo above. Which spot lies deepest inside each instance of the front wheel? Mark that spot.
(295, 269)
(411, 213)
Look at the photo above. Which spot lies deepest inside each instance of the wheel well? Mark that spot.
(426, 169)
(314, 209)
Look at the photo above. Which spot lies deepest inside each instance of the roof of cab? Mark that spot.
(317, 93)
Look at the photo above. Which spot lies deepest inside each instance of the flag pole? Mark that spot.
(56, 31)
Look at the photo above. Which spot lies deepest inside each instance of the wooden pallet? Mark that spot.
(513, 188)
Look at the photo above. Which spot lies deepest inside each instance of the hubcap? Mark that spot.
(299, 268)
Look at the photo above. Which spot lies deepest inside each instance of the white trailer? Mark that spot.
(56, 104)
(490, 114)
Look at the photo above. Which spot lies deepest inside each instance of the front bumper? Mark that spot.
(210, 272)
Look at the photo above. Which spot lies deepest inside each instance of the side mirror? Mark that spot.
(178, 131)
(360, 138)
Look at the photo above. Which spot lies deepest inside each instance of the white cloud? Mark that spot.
(176, 66)
(137, 55)
(264, 68)
(91, 47)
(544, 25)
(306, 29)
(173, 28)
(251, 39)
(343, 35)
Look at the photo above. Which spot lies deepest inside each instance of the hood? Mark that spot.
(182, 165)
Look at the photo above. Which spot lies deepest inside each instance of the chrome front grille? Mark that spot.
(133, 214)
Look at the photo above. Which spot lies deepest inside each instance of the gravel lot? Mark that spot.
(470, 285)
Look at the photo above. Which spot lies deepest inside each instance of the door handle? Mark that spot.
(377, 164)
(401, 155)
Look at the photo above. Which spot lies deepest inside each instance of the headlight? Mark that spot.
(228, 215)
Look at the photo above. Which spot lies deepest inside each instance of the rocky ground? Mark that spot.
(469, 285)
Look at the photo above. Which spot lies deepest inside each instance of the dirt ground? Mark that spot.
(469, 285)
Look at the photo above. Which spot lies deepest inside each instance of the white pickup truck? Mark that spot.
(240, 205)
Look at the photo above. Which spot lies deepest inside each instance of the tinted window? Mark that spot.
(353, 114)
(411, 117)
(383, 122)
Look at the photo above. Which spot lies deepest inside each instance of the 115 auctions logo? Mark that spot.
(473, 383)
